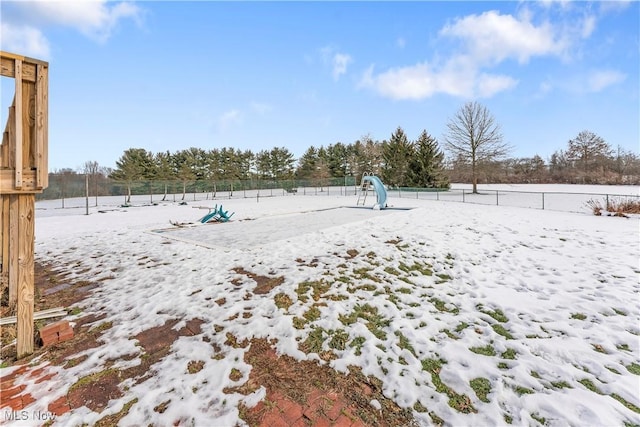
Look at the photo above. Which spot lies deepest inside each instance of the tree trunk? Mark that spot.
(165, 192)
(474, 176)
(128, 193)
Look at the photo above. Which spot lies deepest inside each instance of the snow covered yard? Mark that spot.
(469, 314)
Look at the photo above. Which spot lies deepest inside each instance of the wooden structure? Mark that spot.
(23, 173)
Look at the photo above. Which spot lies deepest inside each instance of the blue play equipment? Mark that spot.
(369, 180)
(216, 214)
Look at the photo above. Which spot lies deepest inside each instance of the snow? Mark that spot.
(543, 270)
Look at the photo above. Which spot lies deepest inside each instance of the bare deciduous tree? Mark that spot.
(473, 134)
(587, 148)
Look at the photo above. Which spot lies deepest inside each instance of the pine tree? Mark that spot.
(135, 164)
(397, 154)
(426, 168)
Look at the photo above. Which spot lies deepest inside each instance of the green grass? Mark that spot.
(441, 306)
(318, 288)
(501, 330)
(459, 402)
(634, 368)
(461, 326)
(509, 353)
(357, 344)
(589, 385)
(539, 419)
(313, 343)
(424, 269)
(619, 312)
(338, 340)
(312, 314)
(523, 390)
(496, 314)
(626, 403)
(404, 343)
(283, 301)
(623, 347)
(503, 365)
(487, 350)
(374, 321)
(535, 374)
(482, 387)
(561, 384)
(578, 316)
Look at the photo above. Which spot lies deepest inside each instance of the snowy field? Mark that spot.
(532, 315)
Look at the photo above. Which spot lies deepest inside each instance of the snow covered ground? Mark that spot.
(445, 302)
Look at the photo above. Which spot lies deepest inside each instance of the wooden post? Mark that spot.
(23, 173)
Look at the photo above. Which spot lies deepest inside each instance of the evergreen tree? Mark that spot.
(135, 164)
(426, 168)
(397, 154)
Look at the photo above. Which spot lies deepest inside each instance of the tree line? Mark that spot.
(473, 144)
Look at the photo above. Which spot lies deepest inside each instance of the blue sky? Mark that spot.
(256, 75)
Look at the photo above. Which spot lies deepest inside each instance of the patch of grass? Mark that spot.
(619, 312)
(419, 407)
(392, 271)
(404, 290)
(503, 365)
(520, 390)
(299, 322)
(535, 374)
(363, 273)
(424, 269)
(195, 366)
(312, 314)
(539, 419)
(482, 387)
(318, 288)
(235, 375)
(92, 378)
(313, 343)
(589, 385)
(283, 301)
(338, 340)
(461, 326)
(626, 403)
(487, 350)
(496, 314)
(508, 418)
(443, 278)
(634, 368)
(102, 327)
(111, 420)
(404, 343)
(459, 402)
(501, 330)
(579, 316)
(436, 419)
(374, 321)
(441, 306)
(510, 354)
(560, 384)
(614, 370)
(623, 347)
(450, 334)
(357, 344)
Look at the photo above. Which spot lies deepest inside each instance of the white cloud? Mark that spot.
(492, 37)
(24, 40)
(588, 26)
(228, 118)
(261, 108)
(458, 77)
(338, 61)
(599, 80)
(95, 19)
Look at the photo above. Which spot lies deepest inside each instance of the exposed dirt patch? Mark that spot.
(265, 284)
(313, 394)
(95, 391)
(352, 253)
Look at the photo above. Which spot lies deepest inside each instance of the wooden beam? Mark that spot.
(13, 218)
(8, 66)
(4, 239)
(42, 126)
(26, 274)
(7, 182)
(18, 125)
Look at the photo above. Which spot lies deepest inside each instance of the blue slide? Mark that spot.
(381, 192)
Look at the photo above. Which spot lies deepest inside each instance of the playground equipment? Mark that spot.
(368, 181)
(216, 214)
(23, 173)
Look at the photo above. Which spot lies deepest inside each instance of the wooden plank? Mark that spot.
(26, 274)
(41, 128)
(39, 315)
(18, 126)
(28, 125)
(13, 218)
(7, 182)
(4, 239)
(8, 67)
